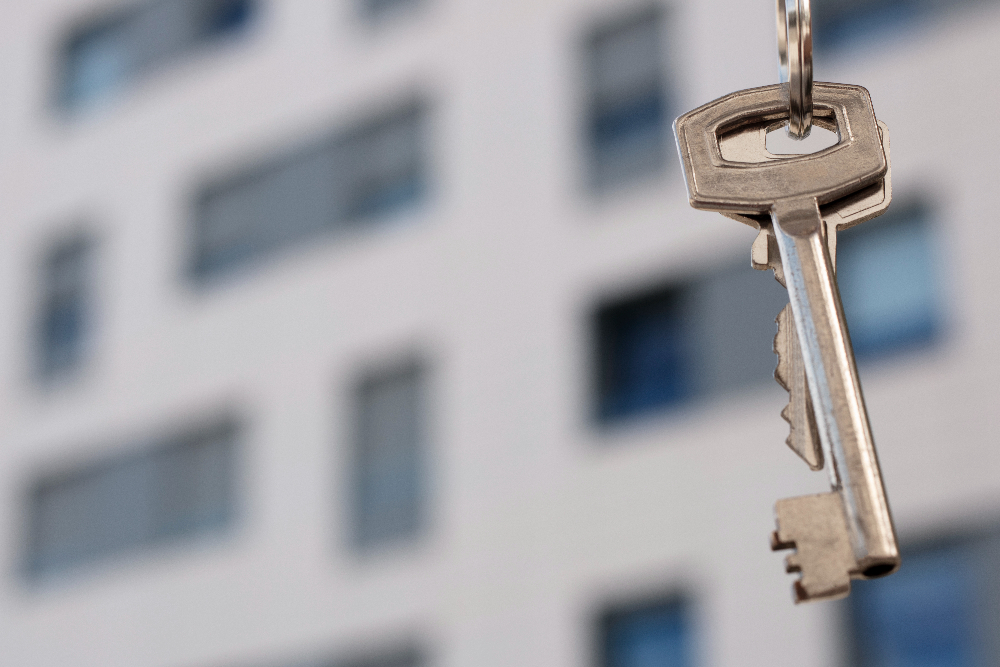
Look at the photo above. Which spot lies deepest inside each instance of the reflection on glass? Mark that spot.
(388, 463)
(103, 55)
(887, 275)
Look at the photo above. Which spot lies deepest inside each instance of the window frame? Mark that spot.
(226, 430)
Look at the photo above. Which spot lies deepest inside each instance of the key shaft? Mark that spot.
(834, 386)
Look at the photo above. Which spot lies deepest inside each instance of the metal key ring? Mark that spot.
(795, 63)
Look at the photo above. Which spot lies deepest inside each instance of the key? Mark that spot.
(847, 532)
(841, 214)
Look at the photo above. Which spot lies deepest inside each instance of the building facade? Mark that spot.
(379, 333)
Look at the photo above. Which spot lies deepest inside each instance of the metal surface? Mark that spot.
(790, 191)
(857, 207)
(795, 63)
(718, 184)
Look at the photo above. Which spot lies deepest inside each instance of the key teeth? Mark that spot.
(779, 346)
(777, 544)
(792, 564)
(802, 437)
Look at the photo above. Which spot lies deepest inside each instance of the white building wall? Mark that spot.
(538, 518)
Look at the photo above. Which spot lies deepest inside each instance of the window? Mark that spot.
(388, 466)
(844, 23)
(65, 315)
(182, 485)
(382, 9)
(886, 273)
(941, 609)
(645, 355)
(628, 108)
(103, 55)
(665, 346)
(355, 179)
(656, 634)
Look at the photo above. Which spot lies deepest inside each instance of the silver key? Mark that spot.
(849, 531)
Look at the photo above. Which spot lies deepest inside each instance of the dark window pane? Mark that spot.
(627, 115)
(183, 485)
(388, 458)
(888, 283)
(359, 177)
(644, 354)
(941, 609)
(656, 635)
(224, 16)
(65, 317)
(108, 52)
(845, 23)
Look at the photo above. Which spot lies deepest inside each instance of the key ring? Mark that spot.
(795, 63)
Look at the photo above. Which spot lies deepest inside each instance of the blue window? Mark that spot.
(888, 283)
(843, 22)
(103, 55)
(849, 23)
(66, 313)
(939, 610)
(388, 459)
(644, 354)
(175, 486)
(355, 179)
(710, 335)
(628, 110)
(653, 635)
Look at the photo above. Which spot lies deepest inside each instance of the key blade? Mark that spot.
(790, 371)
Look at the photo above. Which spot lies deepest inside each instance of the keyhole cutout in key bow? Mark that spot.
(779, 143)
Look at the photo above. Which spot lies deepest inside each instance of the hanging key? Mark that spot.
(849, 531)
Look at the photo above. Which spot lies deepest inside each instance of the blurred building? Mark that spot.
(379, 333)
